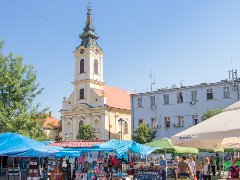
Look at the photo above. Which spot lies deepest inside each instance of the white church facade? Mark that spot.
(107, 109)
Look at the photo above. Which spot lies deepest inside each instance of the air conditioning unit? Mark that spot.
(175, 125)
(153, 107)
(192, 102)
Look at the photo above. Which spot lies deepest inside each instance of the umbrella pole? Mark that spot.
(223, 163)
(1, 165)
(13, 168)
(165, 151)
(7, 169)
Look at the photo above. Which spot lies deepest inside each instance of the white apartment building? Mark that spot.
(173, 110)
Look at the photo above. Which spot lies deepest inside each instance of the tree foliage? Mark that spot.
(59, 131)
(144, 134)
(86, 132)
(18, 90)
(210, 113)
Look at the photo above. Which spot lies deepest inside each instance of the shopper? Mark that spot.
(218, 163)
(198, 163)
(213, 165)
(163, 167)
(233, 170)
(193, 167)
(175, 164)
(184, 169)
(207, 169)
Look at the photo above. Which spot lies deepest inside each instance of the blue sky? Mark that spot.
(179, 40)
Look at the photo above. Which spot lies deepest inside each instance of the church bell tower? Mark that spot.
(88, 61)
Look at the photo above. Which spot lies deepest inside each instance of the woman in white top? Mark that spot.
(192, 166)
(207, 169)
(175, 164)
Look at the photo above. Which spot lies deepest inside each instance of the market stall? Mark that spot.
(113, 159)
(23, 157)
(133, 156)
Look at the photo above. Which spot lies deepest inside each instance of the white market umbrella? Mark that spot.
(220, 131)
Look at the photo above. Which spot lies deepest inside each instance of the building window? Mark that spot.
(179, 97)
(180, 121)
(226, 92)
(95, 66)
(153, 123)
(195, 119)
(152, 101)
(82, 66)
(81, 94)
(194, 96)
(166, 98)
(167, 122)
(140, 121)
(209, 93)
(139, 100)
(80, 123)
(125, 129)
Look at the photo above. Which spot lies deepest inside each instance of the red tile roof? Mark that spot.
(51, 122)
(116, 97)
(80, 143)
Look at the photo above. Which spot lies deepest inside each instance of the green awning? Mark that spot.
(168, 147)
(164, 143)
(186, 150)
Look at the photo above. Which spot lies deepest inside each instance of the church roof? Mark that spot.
(115, 97)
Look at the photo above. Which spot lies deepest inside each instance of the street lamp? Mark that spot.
(67, 135)
(120, 121)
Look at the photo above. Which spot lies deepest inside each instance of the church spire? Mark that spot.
(89, 18)
(89, 37)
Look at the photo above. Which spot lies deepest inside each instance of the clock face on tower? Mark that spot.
(81, 51)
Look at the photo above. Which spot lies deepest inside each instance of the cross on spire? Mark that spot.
(89, 37)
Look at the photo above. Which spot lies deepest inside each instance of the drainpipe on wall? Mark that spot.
(109, 120)
(132, 113)
(238, 89)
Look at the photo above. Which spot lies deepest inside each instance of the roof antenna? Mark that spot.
(151, 80)
(181, 83)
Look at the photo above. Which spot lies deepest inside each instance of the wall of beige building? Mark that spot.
(104, 120)
(115, 125)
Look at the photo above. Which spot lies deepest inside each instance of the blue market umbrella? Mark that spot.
(13, 144)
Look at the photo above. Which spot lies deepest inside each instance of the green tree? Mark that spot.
(86, 132)
(59, 131)
(144, 134)
(18, 90)
(210, 113)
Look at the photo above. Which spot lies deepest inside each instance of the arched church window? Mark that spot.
(95, 66)
(81, 123)
(81, 93)
(82, 66)
(96, 126)
(125, 130)
(69, 127)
